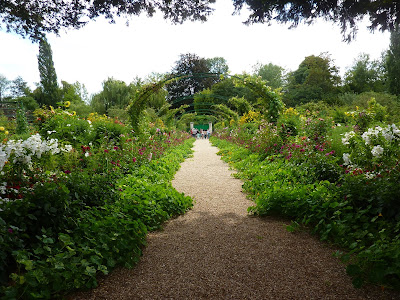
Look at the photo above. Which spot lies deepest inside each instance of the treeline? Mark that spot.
(316, 79)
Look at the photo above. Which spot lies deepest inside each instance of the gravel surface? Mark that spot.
(217, 251)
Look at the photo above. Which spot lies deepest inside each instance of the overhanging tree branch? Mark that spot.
(383, 14)
(35, 18)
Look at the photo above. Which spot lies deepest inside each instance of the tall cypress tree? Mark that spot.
(48, 76)
(393, 62)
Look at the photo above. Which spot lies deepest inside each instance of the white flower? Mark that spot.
(3, 158)
(377, 151)
(346, 159)
(366, 136)
(370, 175)
(86, 154)
(387, 134)
(23, 151)
(68, 125)
(347, 137)
(3, 188)
(67, 148)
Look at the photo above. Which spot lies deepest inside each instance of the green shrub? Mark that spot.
(66, 128)
(359, 213)
(107, 131)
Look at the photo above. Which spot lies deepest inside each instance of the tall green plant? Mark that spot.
(48, 76)
(393, 62)
(22, 123)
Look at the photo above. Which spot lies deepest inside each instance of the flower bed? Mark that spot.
(77, 203)
(343, 184)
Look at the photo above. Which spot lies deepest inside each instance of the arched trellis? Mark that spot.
(140, 101)
(264, 92)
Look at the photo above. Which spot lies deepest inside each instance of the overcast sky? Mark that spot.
(100, 50)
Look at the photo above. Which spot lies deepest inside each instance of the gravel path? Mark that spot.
(217, 251)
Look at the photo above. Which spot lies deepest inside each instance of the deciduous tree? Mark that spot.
(218, 65)
(48, 76)
(4, 85)
(115, 94)
(393, 62)
(273, 74)
(19, 88)
(315, 79)
(365, 75)
(194, 77)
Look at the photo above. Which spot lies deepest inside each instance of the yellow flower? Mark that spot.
(2, 128)
(74, 113)
(6, 132)
(52, 109)
(67, 104)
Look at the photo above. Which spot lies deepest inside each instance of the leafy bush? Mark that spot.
(108, 131)
(63, 126)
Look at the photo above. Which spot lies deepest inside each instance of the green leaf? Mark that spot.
(358, 282)
(353, 270)
(90, 270)
(334, 204)
(377, 274)
(66, 239)
(48, 240)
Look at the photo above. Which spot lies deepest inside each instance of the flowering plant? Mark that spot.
(374, 151)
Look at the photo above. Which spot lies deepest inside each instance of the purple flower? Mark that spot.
(10, 230)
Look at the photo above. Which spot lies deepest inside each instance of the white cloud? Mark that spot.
(102, 50)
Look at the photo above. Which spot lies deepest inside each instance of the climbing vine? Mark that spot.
(267, 98)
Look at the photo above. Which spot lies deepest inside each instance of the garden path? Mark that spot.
(218, 251)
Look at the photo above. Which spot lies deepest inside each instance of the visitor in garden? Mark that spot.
(208, 133)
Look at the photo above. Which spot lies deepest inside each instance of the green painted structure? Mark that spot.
(201, 126)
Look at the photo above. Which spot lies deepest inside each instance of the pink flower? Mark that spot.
(67, 171)
(134, 159)
(10, 230)
(106, 151)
